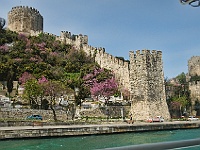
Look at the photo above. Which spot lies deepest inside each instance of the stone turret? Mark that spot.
(25, 20)
(194, 66)
(79, 41)
(147, 85)
(194, 87)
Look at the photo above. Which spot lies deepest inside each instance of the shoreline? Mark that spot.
(21, 132)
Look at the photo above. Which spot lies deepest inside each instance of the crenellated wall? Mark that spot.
(142, 76)
(105, 60)
(78, 40)
(25, 19)
(147, 85)
(118, 66)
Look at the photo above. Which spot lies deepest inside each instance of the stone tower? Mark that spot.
(194, 87)
(194, 66)
(25, 20)
(147, 85)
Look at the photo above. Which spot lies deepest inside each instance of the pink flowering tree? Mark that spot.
(42, 80)
(25, 77)
(4, 49)
(53, 89)
(101, 83)
(42, 83)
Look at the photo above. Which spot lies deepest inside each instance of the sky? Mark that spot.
(121, 26)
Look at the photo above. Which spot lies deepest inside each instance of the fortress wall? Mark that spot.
(118, 66)
(78, 40)
(143, 76)
(147, 85)
(53, 35)
(90, 51)
(194, 66)
(105, 60)
(194, 88)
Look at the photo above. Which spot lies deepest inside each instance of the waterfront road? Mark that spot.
(114, 124)
(102, 128)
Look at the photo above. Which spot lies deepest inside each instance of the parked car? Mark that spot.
(192, 118)
(35, 117)
(156, 119)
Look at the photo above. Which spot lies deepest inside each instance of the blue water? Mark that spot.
(100, 141)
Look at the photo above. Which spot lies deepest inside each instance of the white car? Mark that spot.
(156, 119)
(192, 118)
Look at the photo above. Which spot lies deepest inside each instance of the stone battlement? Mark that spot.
(25, 20)
(24, 8)
(147, 85)
(144, 54)
(65, 34)
(66, 37)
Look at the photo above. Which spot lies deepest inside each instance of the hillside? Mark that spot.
(40, 56)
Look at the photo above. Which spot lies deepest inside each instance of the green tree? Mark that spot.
(181, 78)
(2, 23)
(32, 92)
(10, 78)
(197, 107)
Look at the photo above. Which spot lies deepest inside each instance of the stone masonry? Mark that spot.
(194, 66)
(147, 85)
(25, 19)
(143, 76)
(194, 87)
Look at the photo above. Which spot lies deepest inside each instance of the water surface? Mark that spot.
(100, 141)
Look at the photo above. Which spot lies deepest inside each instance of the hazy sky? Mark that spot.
(121, 26)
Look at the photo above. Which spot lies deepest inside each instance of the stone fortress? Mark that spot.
(143, 76)
(25, 19)
(147, 85)
(194, 87)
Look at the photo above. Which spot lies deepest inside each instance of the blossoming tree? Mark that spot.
(102, 83)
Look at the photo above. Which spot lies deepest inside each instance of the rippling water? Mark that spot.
(100, 141)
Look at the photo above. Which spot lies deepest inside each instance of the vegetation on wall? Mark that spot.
(180, 101)
(195, 78)
(43, 56)
(101, 83)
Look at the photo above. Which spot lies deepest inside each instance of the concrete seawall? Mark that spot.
(75, 130)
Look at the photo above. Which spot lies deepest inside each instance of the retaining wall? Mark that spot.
(74, 130)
